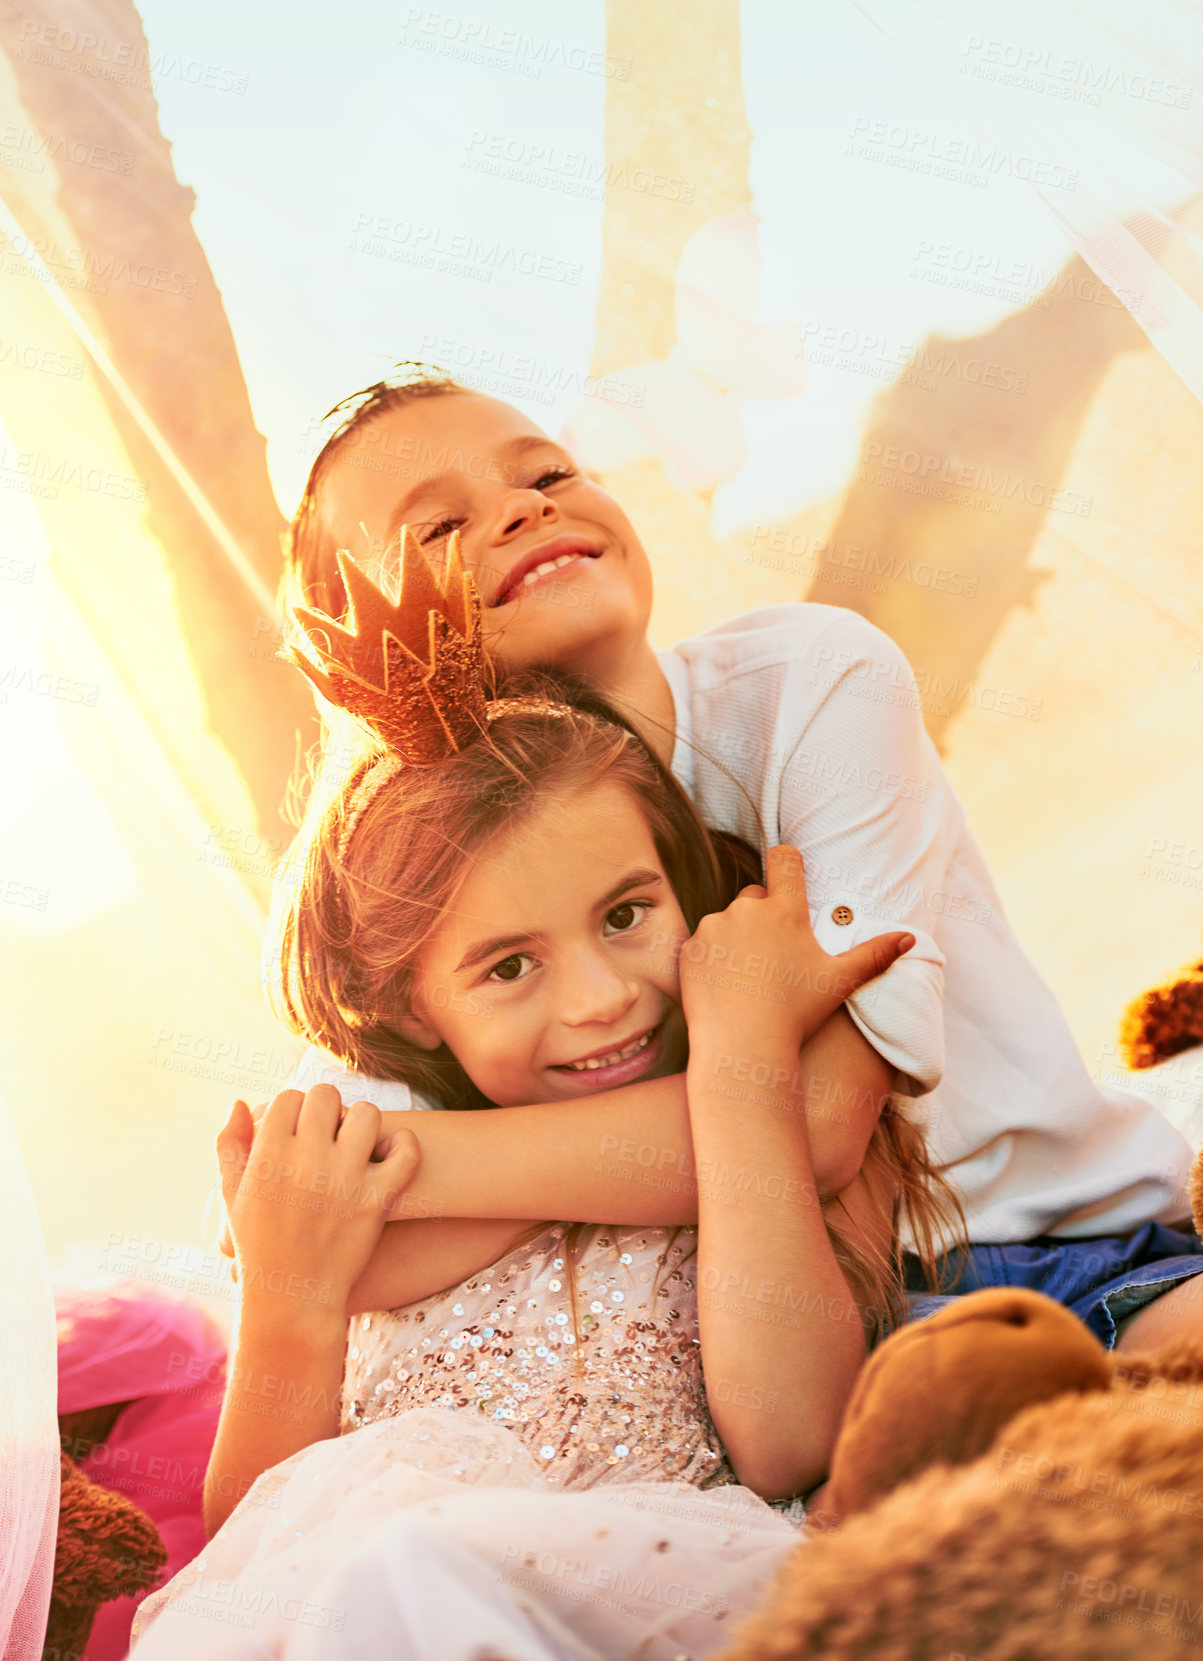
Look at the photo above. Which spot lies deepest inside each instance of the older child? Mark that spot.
(797, 724)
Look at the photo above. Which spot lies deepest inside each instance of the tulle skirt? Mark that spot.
(433, 1537)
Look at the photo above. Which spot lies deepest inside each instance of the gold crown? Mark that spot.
(414, 671)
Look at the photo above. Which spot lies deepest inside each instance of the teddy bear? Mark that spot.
(1003, 1487)
(106, 1548)
(1165, 1020)
(133, 1467)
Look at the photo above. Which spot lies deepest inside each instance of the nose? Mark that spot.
(521, 510)
(593, 993)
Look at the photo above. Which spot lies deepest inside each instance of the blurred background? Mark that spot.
(892, 306)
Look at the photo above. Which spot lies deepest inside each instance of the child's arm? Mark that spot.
(624, 1156)
(414, 1260)
(589, 1160)
(306, 1206)
(778, 1321)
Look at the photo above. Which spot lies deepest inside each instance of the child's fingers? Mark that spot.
(359, 1131)
(281, 1117)
(320, 1112)
(233, 1153)
(234, 1143)
(784, 876)
(863, 963)
(397, 1170)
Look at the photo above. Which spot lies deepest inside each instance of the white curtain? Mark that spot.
(1099, 109)
(29, 1447)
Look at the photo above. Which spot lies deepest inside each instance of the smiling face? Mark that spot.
(555, 973)
(563, 577)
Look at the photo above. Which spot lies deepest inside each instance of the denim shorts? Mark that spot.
(1102, 1281)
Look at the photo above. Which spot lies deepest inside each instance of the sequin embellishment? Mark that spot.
(616, 1395)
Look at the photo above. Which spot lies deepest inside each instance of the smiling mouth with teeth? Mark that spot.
(595, 1062)
(548, 566)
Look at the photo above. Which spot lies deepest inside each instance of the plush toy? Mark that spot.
(106, 1549)
(1073, 1530)
(164, 1358)
(1164, 1021)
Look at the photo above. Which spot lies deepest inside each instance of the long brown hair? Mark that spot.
(373, 872)
(354, 913)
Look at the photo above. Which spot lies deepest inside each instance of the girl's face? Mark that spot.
(555, 973)
(463, 461)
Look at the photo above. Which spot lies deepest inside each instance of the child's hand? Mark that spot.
(236, 1150)
(756, 969)
(305, 1200)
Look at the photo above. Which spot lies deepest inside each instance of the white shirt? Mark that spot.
(815, 712)
(809, 716)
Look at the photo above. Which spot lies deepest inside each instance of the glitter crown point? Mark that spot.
(411, 669)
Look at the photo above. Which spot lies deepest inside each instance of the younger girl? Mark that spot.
(523, 918)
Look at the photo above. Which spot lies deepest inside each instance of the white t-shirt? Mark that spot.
(814, 712)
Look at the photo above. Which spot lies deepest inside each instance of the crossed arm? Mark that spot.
(623, 1156)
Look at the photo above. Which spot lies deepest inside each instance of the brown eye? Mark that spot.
(623, 918)
(509, 969)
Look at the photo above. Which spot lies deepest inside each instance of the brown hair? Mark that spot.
(362, 897)
(310, 568)
(350, 927)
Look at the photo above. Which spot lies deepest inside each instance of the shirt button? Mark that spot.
(842, 915)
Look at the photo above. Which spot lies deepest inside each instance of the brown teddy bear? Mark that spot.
(1164, 1021)
(1074, 1531)
(106, 1548)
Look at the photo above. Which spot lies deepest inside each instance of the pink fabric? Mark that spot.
(126, 1342)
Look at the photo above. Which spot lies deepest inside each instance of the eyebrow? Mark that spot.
(512, 447)
(642, 878)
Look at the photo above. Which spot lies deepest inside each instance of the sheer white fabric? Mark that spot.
(426, 1538)
(1098, 108)
(546, 1486)
(29, 1447)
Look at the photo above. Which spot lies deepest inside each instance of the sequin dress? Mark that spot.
(527, 1471)
(607, 1391)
